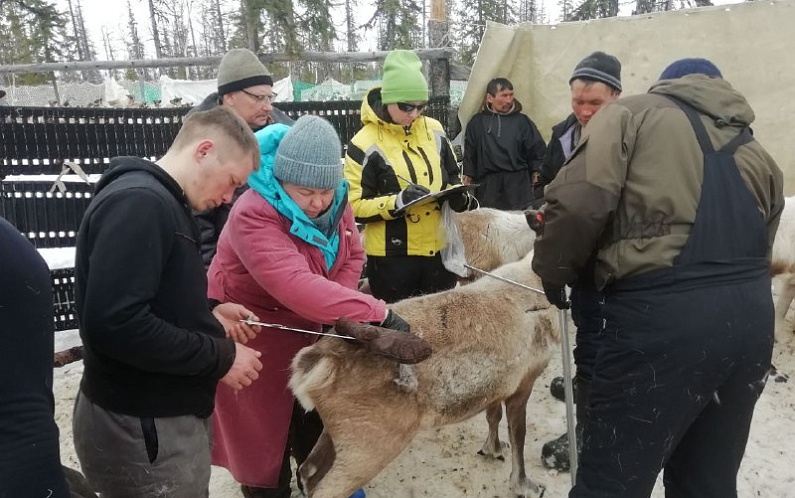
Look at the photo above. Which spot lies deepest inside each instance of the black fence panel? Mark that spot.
(63, 291)
(38, 140)
(47, 219)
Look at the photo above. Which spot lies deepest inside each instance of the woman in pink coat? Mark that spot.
(290, 253)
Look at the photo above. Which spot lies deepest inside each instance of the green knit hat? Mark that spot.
(403, 80)
(241, 68)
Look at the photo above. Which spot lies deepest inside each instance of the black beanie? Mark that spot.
(599, 66)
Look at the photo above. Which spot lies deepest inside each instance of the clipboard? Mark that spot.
(438, 196)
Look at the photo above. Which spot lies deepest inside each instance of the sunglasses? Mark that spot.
(407, 107)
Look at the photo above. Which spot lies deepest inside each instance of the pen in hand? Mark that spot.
(405, 179)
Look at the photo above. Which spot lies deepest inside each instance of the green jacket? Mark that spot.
(379, 157)
(631, 187)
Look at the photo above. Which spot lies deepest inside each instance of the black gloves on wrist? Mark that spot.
(410, 193)
(556, 295)
(395, 322)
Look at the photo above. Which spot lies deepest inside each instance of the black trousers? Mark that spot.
(305, 429)
(393, 278)
(675, 383)
(586, 312)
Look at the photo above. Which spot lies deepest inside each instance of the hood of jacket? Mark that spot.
(122, 165)
(265, 184)
(370, 116)
(516, 109)
(714, 97)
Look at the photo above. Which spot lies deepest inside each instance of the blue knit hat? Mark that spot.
(683, 67)
(310, 155)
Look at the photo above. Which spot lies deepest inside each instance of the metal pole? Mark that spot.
(568, 390)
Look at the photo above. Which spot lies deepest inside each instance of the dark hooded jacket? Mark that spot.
(632, 186)
(30, 464)
(503, 145)
(152, 346)
(213, 220)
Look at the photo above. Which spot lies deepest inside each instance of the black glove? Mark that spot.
(410, 193)
(556, 295)
(460, 202)
(395, 322)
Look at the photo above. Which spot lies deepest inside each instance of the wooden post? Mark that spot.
(440, 67)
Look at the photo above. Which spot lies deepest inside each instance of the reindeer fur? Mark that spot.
(491, 340)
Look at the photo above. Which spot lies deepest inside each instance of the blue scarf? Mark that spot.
(266, 185)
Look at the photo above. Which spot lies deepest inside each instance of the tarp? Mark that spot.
(330, 89)
(750, 42)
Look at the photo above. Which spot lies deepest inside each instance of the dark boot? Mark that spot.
(558, 391)
(249, 492)
(555, 453)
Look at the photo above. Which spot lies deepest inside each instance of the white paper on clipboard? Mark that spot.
(438, 196)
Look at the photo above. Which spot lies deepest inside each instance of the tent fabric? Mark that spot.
(539, 61)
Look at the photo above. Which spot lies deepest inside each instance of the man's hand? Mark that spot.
(230, 314)
(467, 180)
(556, 295)
(245, 368)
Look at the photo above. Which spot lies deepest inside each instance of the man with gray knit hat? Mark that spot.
(244, 86)
(595, 82)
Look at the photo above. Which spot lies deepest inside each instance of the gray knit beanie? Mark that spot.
(241, 68)
(599, 66)
(310, 155)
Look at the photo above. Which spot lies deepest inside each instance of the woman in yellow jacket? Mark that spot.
(398, 156)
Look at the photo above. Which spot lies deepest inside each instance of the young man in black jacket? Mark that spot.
(154, 349)
(595, 82)
(245, 87)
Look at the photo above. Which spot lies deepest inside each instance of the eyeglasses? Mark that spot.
(408, 107)
(260, 98)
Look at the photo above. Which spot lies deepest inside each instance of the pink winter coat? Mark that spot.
(284, 280)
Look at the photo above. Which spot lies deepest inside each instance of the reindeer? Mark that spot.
(490, 341)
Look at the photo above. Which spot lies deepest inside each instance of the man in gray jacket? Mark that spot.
(244, 86)
(681, 205)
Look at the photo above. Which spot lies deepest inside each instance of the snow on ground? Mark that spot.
(444, 462)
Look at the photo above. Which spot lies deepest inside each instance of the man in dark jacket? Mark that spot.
(244, 86)
(681, 205)
(595, 82)
(30, 462)
(154, 349)
(503, 151)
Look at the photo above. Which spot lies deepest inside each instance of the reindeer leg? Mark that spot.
(516, 410)
(360, 456)
(318, 463)
(493, 447)
(786, 288)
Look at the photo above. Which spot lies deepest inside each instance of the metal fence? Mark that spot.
(40, 140)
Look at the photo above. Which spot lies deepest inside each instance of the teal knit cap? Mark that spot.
(403, 80)
(310, 155)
